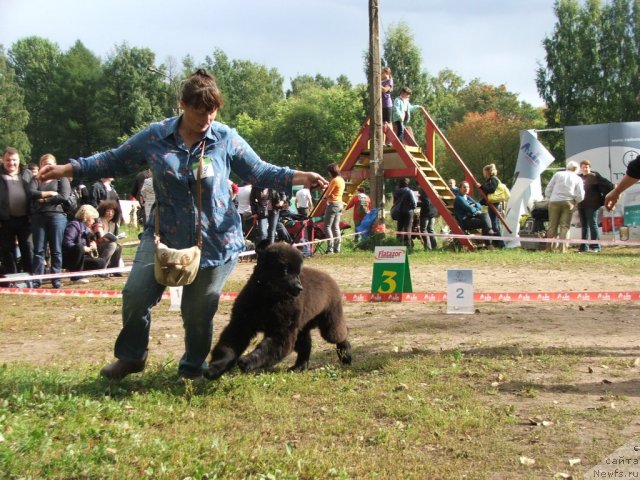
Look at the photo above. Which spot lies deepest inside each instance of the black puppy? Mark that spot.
(285, 301)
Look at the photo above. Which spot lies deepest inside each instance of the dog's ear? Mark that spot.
(261, 247)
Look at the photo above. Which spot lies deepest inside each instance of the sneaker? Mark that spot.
(36, 284)
(81, 280)
(56, 284)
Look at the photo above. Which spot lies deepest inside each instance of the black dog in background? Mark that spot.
(285, 301)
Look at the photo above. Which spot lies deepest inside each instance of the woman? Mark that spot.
(489, 186)
(171, 149)
(48, 221)
(79, 247)
(595, 189)
(108, 222)
(404, 205)
(333, 212)
(564, 191)
(428, 215)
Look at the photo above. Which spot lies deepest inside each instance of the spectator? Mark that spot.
(404, 205)
(402, 109)
(564, 191)
(278, 201)
(79, 247)
(489, 186)
(453, 186)
(333, 211)
(595, 189)
(109, 222)
(361, 204)
(428, 215)
(48, 221)
(387, 100)
(233, 186)
(102, 190)
(33, 167)
(148, 197)
(260, 198)
(15, 179)
(136, 194)
(469, 214)
(171, 148)
(304, 202)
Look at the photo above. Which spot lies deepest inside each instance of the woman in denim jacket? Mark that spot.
(171, 149)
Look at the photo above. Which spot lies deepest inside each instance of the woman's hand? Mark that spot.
(51, 172)
(309, 180)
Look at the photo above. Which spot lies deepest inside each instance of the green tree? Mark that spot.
(247, 87)
(489, 137)
(444, 103)
(132, 95)
(307, 131)
(590, 73)
(14, 117)
(403, 56)
(79, 127)
(302, 82)
(35, 61)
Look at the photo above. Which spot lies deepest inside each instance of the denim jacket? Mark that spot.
(174, 168)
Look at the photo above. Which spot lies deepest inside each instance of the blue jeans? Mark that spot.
(332, 216)
(47, 229)
(274, 218)
(426, 226)
(495, 224)
(199, 304)
(589, 223)
(263, 229)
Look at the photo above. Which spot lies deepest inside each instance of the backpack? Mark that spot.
(502, 194)
(363, 205)
(70, 205)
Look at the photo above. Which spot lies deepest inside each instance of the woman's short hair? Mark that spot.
(333, 170)
(491, 168)
(46, 156)
(585, 162)
(85, 212)
(572, 166)
(200, 89)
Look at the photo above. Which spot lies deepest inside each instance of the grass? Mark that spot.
(413, 416)
(410, 414)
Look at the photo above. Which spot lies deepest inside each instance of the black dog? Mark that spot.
(285, 301)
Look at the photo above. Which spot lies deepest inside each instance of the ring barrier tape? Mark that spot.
(425, 297)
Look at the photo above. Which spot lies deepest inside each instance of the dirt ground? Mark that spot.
(602, 337)
(37, 329)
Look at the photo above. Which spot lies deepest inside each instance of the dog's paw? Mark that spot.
(244, 364)
(344, 352)
(300, 367)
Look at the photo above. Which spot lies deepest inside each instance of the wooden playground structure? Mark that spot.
(407, 160)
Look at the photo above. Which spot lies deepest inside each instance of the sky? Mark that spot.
(496, 41)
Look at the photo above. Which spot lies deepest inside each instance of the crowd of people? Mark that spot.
(48, 225)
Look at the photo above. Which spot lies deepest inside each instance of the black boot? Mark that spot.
(121, 368)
